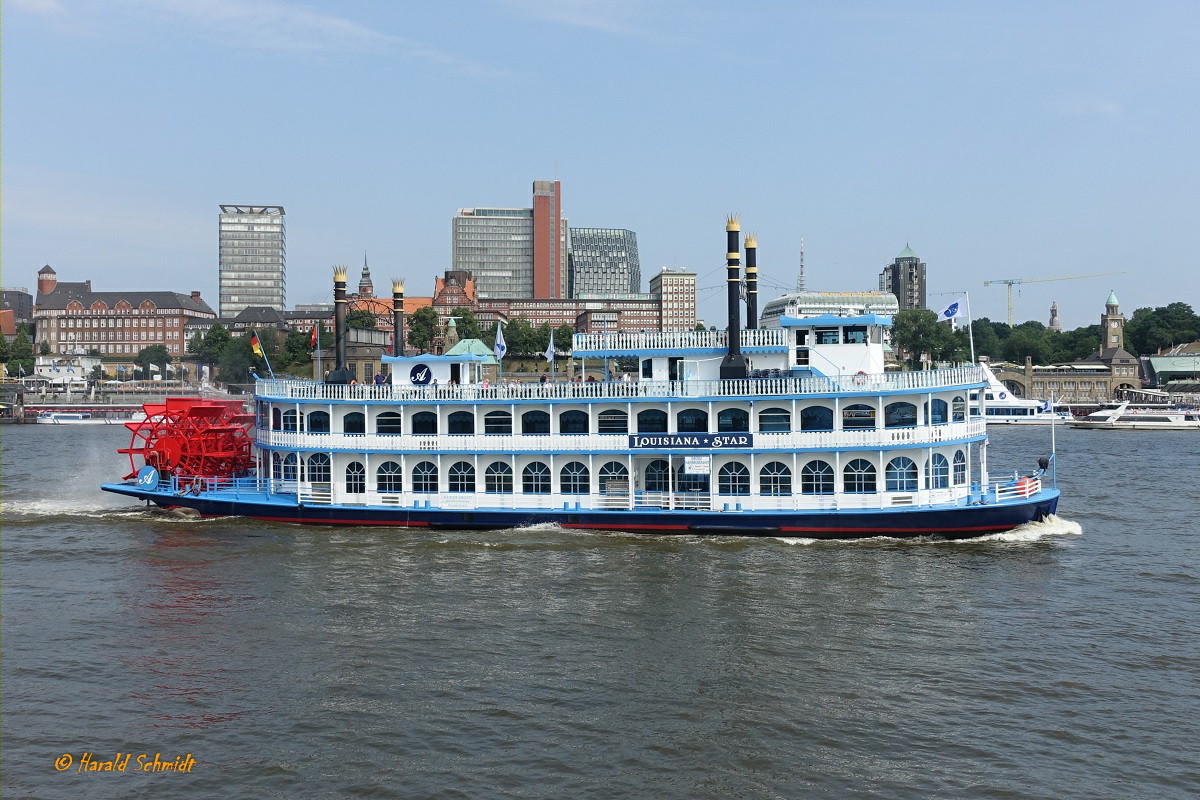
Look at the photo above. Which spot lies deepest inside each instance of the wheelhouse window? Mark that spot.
(573, 422)
(858, 416)
(774, 420)
(960, 468)
(816, 477)
(389, 422)
(318, 422)
(424, 423)
(828, 335)
(613, 422)
(937, 412)
(498, 478)
(899, 415)
(356, 478)
(775, 479)
(818, 418)
(388, 477)
(614, 471)
(535, 422)
(318, 468)
(733, 478)
(938, 472)
(859, 477)
(461, 423)
(497, 423)
(658, 476)
(291, 421)
(535, 479)
(574, 479)
(733, 420)
(901, 475)
(692, 420)
(461, 477)
(276, 419)
(854, 334)
(958, 409)
(354, 422)
(425, 477)
(652, 421)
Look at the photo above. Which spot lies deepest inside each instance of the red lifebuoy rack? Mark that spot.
(860, 378)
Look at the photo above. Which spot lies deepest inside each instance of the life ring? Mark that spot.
(860, 378)
(1025, 487)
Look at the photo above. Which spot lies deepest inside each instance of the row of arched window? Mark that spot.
(856, 416)
(859, 476)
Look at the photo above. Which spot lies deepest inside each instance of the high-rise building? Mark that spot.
(515, 252)
(603, 261)
(905, 278)
(252, 258)
(676, 290)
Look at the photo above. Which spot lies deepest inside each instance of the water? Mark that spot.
(1060, 660)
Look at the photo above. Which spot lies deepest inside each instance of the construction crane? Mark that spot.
(1010, 282)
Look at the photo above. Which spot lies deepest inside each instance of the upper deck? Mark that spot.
(624, 344)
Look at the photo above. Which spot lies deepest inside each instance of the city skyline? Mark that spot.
(1075, 158)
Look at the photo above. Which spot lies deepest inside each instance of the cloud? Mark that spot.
(1091, 107)
(45, 8)
(608, 16)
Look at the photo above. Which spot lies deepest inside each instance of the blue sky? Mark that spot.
(1000, 140)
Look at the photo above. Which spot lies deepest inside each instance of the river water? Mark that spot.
(1060, 660)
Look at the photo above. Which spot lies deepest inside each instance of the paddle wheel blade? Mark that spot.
(192, 436)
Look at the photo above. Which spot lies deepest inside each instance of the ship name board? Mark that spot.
(698, 440)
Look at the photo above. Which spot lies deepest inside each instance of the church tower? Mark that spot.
(1112, 325)
(365, 287)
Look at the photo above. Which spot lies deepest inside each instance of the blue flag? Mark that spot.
(500, 348)
(956, 309)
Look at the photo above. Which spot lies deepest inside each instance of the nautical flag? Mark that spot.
(316, 335)
(1047, 408)
(500, 348)
(254, 345)
(550, 349)
(956, 309)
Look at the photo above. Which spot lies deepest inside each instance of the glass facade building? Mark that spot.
(252, 263)
(604, 261)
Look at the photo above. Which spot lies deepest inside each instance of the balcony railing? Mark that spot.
(677, 340)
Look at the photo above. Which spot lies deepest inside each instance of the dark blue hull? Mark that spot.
(955, 522)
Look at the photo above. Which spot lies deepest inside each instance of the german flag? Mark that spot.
(254, 345)
(312, 340)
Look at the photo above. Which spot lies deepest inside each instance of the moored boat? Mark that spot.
(1130, 418)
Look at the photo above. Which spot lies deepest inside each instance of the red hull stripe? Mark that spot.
(877, 529)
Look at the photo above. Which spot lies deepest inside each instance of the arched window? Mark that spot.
(291, 421)
(858, 416)
(937, 412)
(901, 475)
(658, 476)
(574, 479)
(960, 468)
(497, 423)
(685, 482)
(425, 477)
(354, 422)
(461, 422)
(613, 422)
(291, 467)
(613, 470)
(733, 420)
(389, 422)
(859, 476)
(535, 422)
(819, 418)
(498, 478)
(424, 423)
(318, 422)
(899, 415)
(276, 466)
(318, 468)
(733, 478)
(938, 476)
(461, 477)
(692, 420)
(775, 479)
(652, 421)
(958, 409)
(535, 479)
(388, 478)
(356, 478)
(276, 419)
(775, 420)
(573, 422)
(816, 477)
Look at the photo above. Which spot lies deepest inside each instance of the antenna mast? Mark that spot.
(801, 283)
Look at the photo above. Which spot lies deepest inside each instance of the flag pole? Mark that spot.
(970, 330)
(256, 346)
(320, 376)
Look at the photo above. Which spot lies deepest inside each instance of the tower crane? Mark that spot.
(1010, 282)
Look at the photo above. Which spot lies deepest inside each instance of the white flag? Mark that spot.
(500, 348)
(956, 309)
(550, 349)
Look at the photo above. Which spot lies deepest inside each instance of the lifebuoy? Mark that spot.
(860, 378)
(1025, 487)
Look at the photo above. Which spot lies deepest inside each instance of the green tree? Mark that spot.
(20, 356)
(700, 327)
(268, 340)
(361, 319)
(236, 361)
(98, 373)
(5, 350)
(519, 335)
(155, 355)
(468, 325)
(295, 349)
(422, 325)
(44, 347)
(564, 336)
(917, 333)
(213, 343)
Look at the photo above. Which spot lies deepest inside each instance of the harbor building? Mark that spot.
(905, 278)
(252, 258)
(19, 301)
(515, 252)
(675, 289)
(604, 261)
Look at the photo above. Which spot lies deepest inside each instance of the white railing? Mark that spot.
(584, 343)
(611, 442)
(622, 390)
(1001, 488)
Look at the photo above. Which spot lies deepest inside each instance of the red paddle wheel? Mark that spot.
(193, 437)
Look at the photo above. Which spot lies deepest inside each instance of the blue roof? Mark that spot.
(426, 357)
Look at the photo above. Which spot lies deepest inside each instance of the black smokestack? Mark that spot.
(339, 373)
(733, 366)
(397, 317)
(751, 282)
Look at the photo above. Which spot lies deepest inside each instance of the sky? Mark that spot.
(998, 140)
